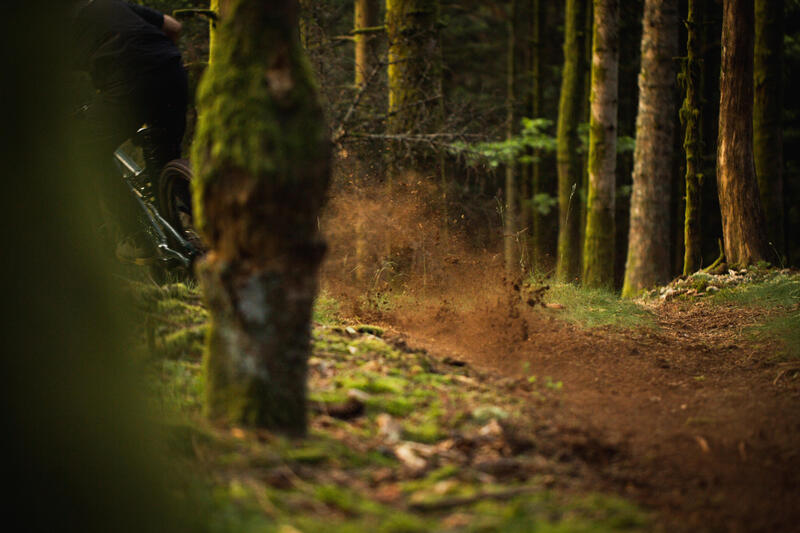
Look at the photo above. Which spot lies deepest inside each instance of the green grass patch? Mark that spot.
(184, 343)
(593, 308)
(326, 309)
(780, 291)
(780, 295)
(785, 329)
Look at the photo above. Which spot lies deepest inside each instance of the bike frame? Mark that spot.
(162, 230)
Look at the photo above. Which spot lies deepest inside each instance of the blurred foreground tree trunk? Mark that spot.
(366, 20)
(768, 118)
(83, 449)
(743, 225)
(568, 160)
(648, 262)
(598, 251)
(691, 118)
(261, 157)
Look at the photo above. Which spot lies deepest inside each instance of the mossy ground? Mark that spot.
(778, 294)
(398, 441)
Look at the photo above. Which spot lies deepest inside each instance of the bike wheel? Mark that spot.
(175, 200)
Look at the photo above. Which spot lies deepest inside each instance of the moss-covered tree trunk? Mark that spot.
(366, 17)
(586, 105)
(538, 230)
(648, 261)
(567, 158)
(261, 157)
(768, 116)
(414, 70)
(691, 118)
(743, 226)
(598, 251)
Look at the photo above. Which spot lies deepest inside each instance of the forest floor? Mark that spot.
(557, 410)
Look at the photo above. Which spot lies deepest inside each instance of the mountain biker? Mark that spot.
(131, 55)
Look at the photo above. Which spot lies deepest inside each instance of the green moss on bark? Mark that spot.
(414, 70)
(692, 141)
(567, 157)
(261, 157)
(598, 251)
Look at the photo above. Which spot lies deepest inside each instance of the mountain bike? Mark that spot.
(165, 207)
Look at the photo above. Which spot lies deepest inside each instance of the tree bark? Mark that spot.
(598, 252)
(567, 158)
(691, 118)
(366, 16)
(510, 211)
(213, 5)
(261, 156)
(414, 71)
(648, 262)
(743, 227)
(767, 117)
(537, 244)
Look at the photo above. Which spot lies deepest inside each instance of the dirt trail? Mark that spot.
(707, 436)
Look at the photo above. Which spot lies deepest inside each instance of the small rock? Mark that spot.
(668, 294)
(350, 330)
(554, 306)
(389, 428)
(443, 487)
(359, 395)
(492, 429)
(406, 454)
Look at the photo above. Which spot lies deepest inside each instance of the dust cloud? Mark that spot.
(397, 257)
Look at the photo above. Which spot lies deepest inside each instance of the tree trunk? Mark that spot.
(586, 108)
(567, 158)
(213, 5)
(537, 244)
(598, 252)
(366, 16)
(691, 118)
(767, 118)
(648, 262)
(414, 71)
(261, 156)
(743, 227)
(511, 211)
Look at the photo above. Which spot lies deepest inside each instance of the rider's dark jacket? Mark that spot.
(118, 42)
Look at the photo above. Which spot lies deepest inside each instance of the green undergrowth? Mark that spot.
(399, 441)
(592, 308)
(778, 294)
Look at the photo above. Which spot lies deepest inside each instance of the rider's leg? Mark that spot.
(104, 126)
(165, 94)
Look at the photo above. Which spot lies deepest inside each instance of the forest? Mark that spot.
(415, 265)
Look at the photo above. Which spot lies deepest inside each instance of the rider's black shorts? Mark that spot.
(158, 98)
